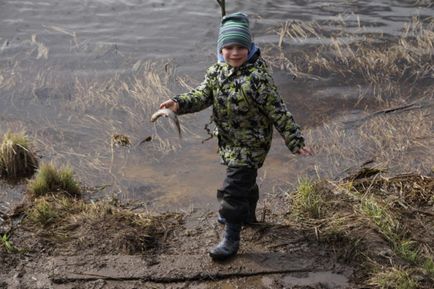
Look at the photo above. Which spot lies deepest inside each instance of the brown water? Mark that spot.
(55, 56)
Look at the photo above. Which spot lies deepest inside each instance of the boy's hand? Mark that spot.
(170, 104)
(305, 151)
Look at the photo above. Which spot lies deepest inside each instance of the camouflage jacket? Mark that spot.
(246, 105)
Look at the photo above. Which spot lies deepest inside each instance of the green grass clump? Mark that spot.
(379, 214)
(390, 228)
(307, 200)
(428, 266)
(43, 212)
(6, 243)
(394, 278)
(407, 250)
(52, 180)
(17, 160)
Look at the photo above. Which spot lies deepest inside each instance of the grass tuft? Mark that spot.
(43, 212)
(390, 228)
(428, 266)
(407, 250)
(393, 278)
(17, 160)
(307, 200)
(78, 225)
(52, 180)
(6, 243)
(379, 214)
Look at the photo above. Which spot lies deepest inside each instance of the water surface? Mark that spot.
(56, 56)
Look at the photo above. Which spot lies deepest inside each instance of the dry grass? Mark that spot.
(137, 96)
(128, 103)
(74, 225)
(407, 58)
(9, 77)
(402, 142)
(393, 278)
(96, 108)
(385, 63)
(364, 217)
(17, 159)
(423, 3)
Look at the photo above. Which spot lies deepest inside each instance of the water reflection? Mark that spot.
(105, 68)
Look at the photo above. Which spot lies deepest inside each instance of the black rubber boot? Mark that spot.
(221, 220)
(251, 217)
(250, 220)
(229, 245)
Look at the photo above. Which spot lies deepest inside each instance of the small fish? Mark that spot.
(167, 113)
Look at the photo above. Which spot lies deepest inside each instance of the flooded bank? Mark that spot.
(73, 74)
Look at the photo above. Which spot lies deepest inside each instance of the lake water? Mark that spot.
(63, 62)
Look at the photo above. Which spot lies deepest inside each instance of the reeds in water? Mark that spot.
(17, 160)
(357, 56)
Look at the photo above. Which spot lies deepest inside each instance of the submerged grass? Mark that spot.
(49, 179)
(348, 54)
(17, 159)
(103, 105)
(400, 141)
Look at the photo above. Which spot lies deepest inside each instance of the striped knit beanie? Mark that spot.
(234, 29)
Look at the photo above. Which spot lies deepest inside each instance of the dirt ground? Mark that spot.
(117, 246)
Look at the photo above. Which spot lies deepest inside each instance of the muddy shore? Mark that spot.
(112, 245)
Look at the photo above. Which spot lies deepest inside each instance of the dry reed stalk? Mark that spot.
(10, 76)
(407, 59)
(401, 142)
(41, 48)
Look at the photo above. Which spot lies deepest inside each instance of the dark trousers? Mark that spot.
(239, 194)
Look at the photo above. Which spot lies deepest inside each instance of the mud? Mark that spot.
(271, 256)
(281, 251)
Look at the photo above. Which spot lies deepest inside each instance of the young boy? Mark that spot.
(246, 106)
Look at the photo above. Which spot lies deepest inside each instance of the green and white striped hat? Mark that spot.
(234, 29)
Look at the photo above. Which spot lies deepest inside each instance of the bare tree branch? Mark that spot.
(222, 6)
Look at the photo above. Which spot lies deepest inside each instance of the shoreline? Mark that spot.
(343, 245)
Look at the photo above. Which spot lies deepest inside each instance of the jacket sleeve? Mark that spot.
(197, 99)
(270, 103)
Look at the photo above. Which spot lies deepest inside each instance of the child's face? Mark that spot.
(235, 55)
